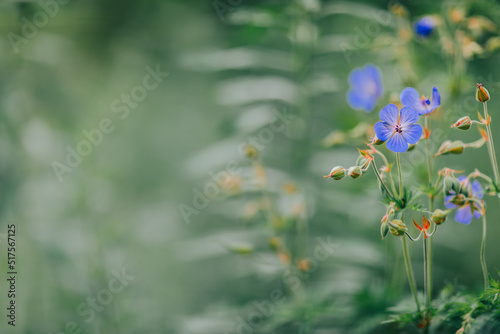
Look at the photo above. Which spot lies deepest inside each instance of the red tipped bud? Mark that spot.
(449, 147)
(354, 172)
(397, 227)
(337, 173)
(482, 94)
(439, 216)
(463, 123)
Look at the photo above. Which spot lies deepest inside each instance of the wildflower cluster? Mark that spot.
(403, 125)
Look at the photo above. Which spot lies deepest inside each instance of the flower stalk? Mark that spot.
(482, 255)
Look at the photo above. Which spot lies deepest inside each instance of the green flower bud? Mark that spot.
(337, 173)
(397, 227)
(482, 94)
(363, 162)
(439, 216)
(354, 172)
(449, 147)
(377, 141)
(463, 123)
(384, 229)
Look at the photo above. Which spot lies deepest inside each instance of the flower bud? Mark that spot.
(384, 229)
(439, 216)
(411, 147)
(482, 94)
(449, 147)
(463, 123)
(397, 227)
(354, 172)
(337, 173)
(377, 141)
(459, 200)
(364, 163)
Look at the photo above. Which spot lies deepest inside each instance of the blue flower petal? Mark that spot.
(464, 215)
(477, 214)
(376, 77)
(383, 130)
(358, 100)
(412, 133)
(436, 99)
(357, 77)
(408, 116)
(447, 202)
(425, 26)
(389, 114)
(397, 143)
(477, 190)
(410, 98)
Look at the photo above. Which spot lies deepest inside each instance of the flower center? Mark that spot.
(425, 101)
(399, 128)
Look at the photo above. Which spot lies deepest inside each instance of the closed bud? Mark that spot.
(354, 172)
(439, 216)
(463, 123)
(384, 229)
(482, 94)
(449, 147)
(397, 227)
(337, 173)
(411, 147)
(377, 141)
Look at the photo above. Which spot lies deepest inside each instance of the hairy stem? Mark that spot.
(409, 273)
(491, 147)
(483, 260)
(398, 162)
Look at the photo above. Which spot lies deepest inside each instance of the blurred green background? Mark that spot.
(128, 205)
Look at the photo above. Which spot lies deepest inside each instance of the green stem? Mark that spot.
(427, 279)
(427, 150)
(491, 147)
(398, 161)
(380, 179)
(483, 260)
(409, 273)
(428, 242)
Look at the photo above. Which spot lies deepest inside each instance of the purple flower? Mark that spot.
(468, 208)
(425, 26)
(411, 98)
(366, 87)
(398, 128)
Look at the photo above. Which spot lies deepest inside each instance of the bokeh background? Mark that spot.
(211, 263)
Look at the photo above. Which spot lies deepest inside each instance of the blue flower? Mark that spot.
(411, 98)
(398, 128)
(366, 87)
(425, 26)
(466, 208)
